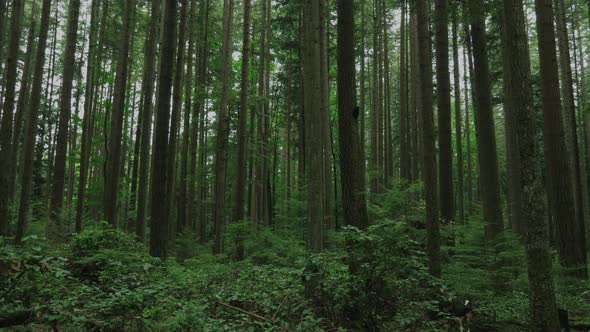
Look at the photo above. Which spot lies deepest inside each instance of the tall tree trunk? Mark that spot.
(467, 65)
(558, 173)
(7, 109)
(543, 309)
(415, 98)
(222, 128)
(22, 103)
(511, 107)
(326, 121)
(159, 213)
(428, 137)
(184, 179)
(198, 122)
(260, 121)
(313, 124)
(59, 169)
(569, 118)
(443, 85)
(175, 125)
(363, 92)
(238, 208)
(31, 128)
(405, 161)
(458, 114)
(352, 175)
(116, 131)
(146, 123)
(484, 121)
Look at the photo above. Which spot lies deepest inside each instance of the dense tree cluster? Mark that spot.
(167, 118)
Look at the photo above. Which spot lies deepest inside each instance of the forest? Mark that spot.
(295, 165)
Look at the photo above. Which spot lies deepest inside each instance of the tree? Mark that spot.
(238, 208)
(183, 205)
(7, 109)
(222, 128)
(484, 124)
(146, 123)
(175, 123)
(428, 152)
(570, 126)
(352, 173)
(313, 124)
(88, 118)
(22, 104)
(404, 122)
(458, 115)
(159, 213)
(558, 173)
(443, 85)
(59, 169)
(33, 117)
(519, 101)
(113, 162)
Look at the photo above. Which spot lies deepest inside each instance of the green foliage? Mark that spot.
(381, 281)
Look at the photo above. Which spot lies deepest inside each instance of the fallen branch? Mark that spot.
(251, 314)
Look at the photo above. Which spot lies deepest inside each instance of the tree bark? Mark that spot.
(428, 138)
(57, 193)
(458, 114)
(146, 123)
(7, 109)
(569, 118)
(352, 175)
(31, 128)
(484, 122)
(558, 172)
(313, 125)
(443, 85)
(159, 213)
(118, 109)
(222, 128)
(519, 100)
(238, 208)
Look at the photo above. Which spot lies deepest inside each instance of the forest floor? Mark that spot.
(103, 279)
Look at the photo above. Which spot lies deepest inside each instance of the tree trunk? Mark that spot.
(22, 104)
(175, 125)
(511, 107)
(146, 123)
(458, 114)
(569, 118)
(443, 85)
(415, 98)
(326, 121)
(184, 179)
(118, 109)
(7, 109)
(238, 208)
(159, 213)
(428, 138)
(519, 100)
(198, 123)
(484, 121)
(405, 161)
(57, 193)
(313, 125)
(222, 128)
(558, 173)
(352, 176)
(31, 128)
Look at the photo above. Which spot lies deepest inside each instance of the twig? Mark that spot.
(279, 308)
